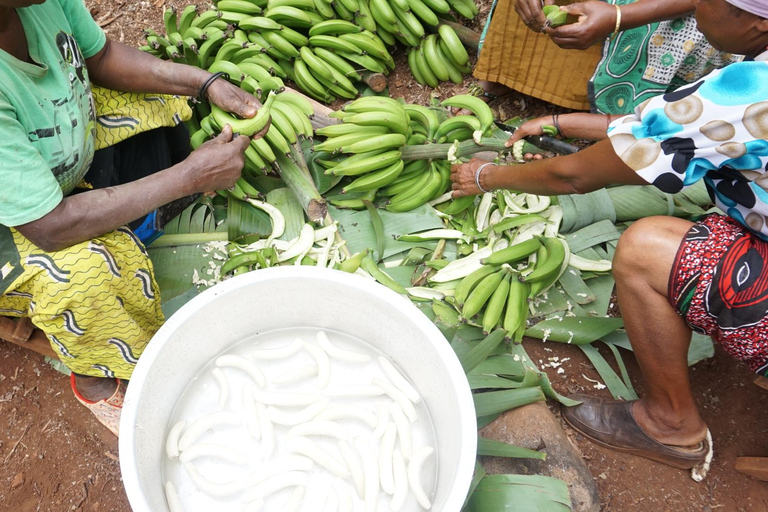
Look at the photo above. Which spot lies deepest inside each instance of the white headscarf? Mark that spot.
(756, 7)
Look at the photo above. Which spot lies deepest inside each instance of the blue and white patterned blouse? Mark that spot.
(715, 129)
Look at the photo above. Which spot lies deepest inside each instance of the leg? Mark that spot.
(659, 335)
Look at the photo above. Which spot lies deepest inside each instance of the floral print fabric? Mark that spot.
(715, 129)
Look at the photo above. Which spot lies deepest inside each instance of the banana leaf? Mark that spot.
(244, 219)
(485, 420)
(618, 388)
(701, 346)
(183, 249)
(575, 286)
(478, 475)
(493, 448)
(199, 217)
(630, 202)
(519, 493)
(574, 330)
(378, 229)
(356, 228)
(478, 381)
(546, 385)
(401, 274)
(284, 200)
(501, 365)
(602, 286)
(323, 182)
(591, 235)
(494, 402)
(482, 350)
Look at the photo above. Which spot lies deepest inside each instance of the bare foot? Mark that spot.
(95, 388)
(494, 89)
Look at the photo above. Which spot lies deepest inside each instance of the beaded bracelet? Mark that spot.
(477, 177)
(204, 88)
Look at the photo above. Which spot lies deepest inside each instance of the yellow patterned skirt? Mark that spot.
(97, 301)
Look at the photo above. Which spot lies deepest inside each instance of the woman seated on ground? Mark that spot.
(66, 260)
(631, 51)
(709, 276)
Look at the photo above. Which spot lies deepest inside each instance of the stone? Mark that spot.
(18, 480)
(535, 427)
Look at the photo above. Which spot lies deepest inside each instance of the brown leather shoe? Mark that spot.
(610, 423)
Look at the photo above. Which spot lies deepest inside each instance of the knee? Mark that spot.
(635, 249)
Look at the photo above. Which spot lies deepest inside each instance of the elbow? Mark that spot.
(46, 242)
(48, 233)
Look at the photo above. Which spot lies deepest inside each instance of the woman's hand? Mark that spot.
(218, 163)
(531, 14)
(233, 99)
(530, 127)
(463, 178)
(597, 21)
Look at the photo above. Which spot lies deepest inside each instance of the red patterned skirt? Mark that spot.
(719, 285)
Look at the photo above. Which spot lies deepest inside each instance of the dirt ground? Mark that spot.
(57, 457)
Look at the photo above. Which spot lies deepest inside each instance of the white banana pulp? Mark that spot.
(203, 396)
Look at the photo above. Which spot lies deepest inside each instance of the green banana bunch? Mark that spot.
(475, 105)
(423, 188)
(466, 8)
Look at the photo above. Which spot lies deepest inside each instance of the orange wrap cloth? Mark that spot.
(529, 62)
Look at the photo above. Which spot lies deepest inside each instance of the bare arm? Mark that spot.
(123, 68)
(215, 165)
(590, 169)
(579, 125)
(597, 20)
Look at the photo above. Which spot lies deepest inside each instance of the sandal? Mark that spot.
(106, 411)
(610, 424)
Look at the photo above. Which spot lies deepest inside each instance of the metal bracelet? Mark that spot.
(477, 177)
(204, 88)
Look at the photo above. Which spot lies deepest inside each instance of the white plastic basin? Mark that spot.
(284, 297)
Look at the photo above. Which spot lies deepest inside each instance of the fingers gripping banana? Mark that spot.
(244, 126)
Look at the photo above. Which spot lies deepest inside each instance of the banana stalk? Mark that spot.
(466, 148)
(303, 188)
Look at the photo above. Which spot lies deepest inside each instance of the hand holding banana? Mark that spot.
(464, 178)
(531, 14)
(233, 99)
(216, 164)
(597, 21)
